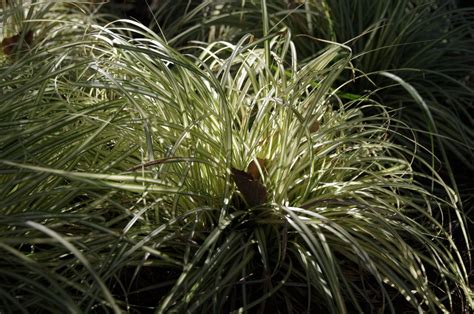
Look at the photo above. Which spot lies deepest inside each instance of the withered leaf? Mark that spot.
(314, 126)
(253, 170)
(253, 191)
(10, 43)
(293, 4)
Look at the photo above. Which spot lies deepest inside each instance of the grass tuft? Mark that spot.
(119, 193)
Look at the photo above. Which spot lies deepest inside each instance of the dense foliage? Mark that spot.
(250, 156)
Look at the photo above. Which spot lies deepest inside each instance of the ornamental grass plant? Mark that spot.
(412, 55)
(223, 177)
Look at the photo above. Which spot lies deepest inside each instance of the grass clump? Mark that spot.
(415, 56)
(137, 178)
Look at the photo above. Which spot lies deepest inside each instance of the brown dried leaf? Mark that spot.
(10, 43)
(293, 4)
(314, 127)
(253, 170)
(253, 191)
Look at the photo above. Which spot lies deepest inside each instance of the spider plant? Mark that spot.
(137, 178)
